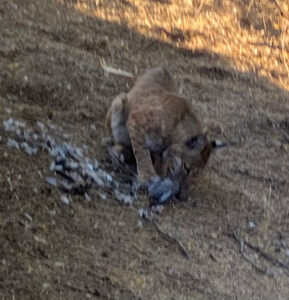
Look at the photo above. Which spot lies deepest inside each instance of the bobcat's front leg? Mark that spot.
(145, 169)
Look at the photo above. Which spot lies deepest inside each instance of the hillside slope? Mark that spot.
(230, 59)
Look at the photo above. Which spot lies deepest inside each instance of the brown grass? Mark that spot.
(254, 35)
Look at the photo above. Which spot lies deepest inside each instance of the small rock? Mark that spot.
(252, 224)
(287, 252)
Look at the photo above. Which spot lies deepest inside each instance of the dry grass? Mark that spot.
(254, 35)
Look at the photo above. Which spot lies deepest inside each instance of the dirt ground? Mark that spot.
(236, 75)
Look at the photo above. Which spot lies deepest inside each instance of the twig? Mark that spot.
(198, 10)
(267, 256)
(114, 70)
(247, 258)
(257, 249)
(169, 237)
(282, 13)
(249, 8)
(10, 184)
(279, 7)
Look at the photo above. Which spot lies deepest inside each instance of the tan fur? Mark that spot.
(152, 119)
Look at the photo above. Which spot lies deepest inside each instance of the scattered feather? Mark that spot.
(74, 172)
(13, 144)
(87, 197)
(51, 180)
(126, 199)
(28, 217)
(64, 199)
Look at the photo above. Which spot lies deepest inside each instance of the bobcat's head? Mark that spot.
(189, 158)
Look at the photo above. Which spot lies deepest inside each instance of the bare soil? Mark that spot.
(50, 71)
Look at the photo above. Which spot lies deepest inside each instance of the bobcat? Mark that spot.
(158, 128)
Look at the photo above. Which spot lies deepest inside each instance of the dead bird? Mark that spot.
(163, 190)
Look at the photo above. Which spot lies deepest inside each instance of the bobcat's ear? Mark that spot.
(218, 144)
(196, 141)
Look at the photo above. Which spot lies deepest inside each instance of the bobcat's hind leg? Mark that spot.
(116, 119)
